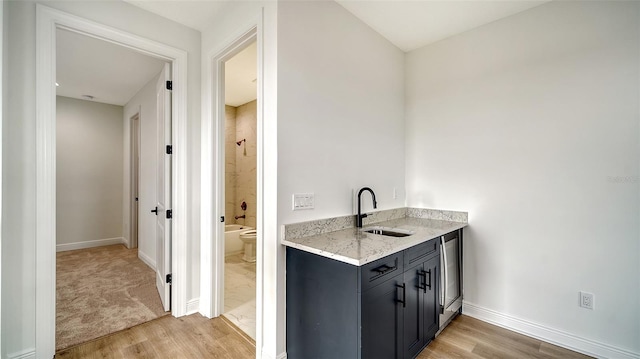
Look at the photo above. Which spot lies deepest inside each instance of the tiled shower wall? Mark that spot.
(241, 162)
(230, 163)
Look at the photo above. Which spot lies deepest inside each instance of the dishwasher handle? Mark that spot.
(445, 271)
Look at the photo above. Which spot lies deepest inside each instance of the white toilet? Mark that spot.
(249, 240)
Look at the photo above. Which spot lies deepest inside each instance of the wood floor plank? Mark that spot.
(452, 338)
(559, 352)
(164, 339)
(192, 336)
(502, 341)
(442, 349)
(467, 337)
(195, 336)
(143, 350)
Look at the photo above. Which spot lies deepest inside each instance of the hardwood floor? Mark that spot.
(466, 337)
(197, 337)
(193, 336)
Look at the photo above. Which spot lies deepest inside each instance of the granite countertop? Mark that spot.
(355, 247)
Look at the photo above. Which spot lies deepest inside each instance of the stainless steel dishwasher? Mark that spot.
(450, 277)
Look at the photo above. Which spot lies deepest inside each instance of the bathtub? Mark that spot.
(232, 242)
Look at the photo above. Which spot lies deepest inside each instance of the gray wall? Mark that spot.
(89, 177)
(531, 124)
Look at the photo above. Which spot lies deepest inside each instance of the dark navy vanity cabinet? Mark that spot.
(385, 309)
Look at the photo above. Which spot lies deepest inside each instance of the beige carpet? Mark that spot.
(100, 291)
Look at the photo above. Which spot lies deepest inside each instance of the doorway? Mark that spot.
(105, 281)
(240, 201)
(48, 21)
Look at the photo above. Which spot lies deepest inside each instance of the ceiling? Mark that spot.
(409, 24)
(413, 24)
(114, 74)
(240, 74)
(110, 73)
(196, 14)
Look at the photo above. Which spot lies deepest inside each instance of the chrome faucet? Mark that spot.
(360, 216)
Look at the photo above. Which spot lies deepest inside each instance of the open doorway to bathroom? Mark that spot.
(241, 189)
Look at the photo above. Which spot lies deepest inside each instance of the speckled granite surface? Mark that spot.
(313, 228)
(337, 238)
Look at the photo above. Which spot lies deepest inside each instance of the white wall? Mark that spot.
(144, 104)
(531, 124)
(18, 308)
(89, 176)
(340, 111)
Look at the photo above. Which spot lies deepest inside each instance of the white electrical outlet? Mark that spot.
(586, 300)
(395, 193)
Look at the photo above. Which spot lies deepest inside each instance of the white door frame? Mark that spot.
(213, 131)
(270, 327)
(212, 180)
(220, 170)
(47, 21)
(134, 179)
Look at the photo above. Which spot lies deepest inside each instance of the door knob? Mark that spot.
(155, 210)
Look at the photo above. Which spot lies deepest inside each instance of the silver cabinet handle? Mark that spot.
(443, 253)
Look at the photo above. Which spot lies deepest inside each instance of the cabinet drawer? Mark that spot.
(420, 252)
(379, 271)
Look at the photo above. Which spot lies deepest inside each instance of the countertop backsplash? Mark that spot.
(321, 226)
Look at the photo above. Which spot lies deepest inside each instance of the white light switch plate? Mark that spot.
(302, 201)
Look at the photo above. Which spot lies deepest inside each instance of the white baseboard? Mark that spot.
(25, 354)
(126, 242)
(547, 334)
(147, 260)
(282, 355)
(193, 306)
(89, 244)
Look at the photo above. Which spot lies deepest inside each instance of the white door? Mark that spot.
(163, 226)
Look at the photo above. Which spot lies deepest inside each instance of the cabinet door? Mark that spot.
(382, 320)
(431, 298)
(413, 312)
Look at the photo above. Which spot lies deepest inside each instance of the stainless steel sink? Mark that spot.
(388, 231)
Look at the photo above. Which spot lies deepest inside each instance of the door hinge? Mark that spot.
(222, 219)
(169, 149)
(169, 278)
(169, 85)
(169, 214)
